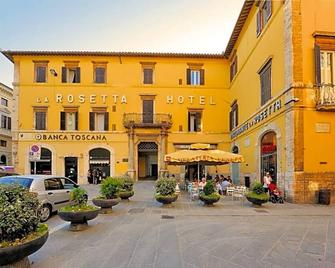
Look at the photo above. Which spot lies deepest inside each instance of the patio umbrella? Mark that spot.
(202, 154)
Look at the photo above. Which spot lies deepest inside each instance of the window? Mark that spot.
(4, 102)
(99, 121)
(265, 79)
(194, 121)
(53, 184)
(3, 143)
(327, 67)
(40, 120)
(233, 68)
(195, 77)
(100, 73)
(69, 120)
(41, 68)
(6, 122)
(233, 116)
(70, 74)
(263, 15)
(147, 75)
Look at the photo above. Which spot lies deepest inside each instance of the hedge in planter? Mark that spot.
(257, 196)
(109, 194)
(21, 233)
(166, 190)
(126, 189)
(78, 213)
(209, 196)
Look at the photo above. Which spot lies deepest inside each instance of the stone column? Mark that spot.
(162, 152)
(19, 167)
(131, 145)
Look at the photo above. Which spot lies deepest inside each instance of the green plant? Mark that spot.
(77, 208)
(165, 186)
(110, 187)
(209, 188)
(126, 184)
(262, 196)
(257, 187)
(19, 214)
(79, 196)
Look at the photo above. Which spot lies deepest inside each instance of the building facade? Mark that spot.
(6, 95)
(269, 97)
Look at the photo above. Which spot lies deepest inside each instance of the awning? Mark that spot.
(99, 162)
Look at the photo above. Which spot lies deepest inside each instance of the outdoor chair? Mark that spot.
(239, 193)
(230, 192)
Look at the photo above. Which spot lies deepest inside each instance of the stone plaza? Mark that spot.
(143, 233)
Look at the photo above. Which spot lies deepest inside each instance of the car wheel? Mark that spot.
(45, 212)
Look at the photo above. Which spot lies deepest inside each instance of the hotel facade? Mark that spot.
(270, 97)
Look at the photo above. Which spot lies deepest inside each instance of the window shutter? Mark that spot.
(9, 123)
(259, 22)
(317, 57)
(62, 120)
(188, 76)
(202, 76)
(77, 78)
(269, 9)
(43, 121)
(92, 123)
(231, 120)
(64, 75)
(76, 126)
(106, 121)
(236, 115)
(198, 121)
(231, 72)
(189, 121)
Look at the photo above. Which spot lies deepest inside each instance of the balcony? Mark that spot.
(326, 97)
(131, 120)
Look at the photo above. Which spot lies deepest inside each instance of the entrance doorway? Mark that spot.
(192, 172)
(100, 161)
(269, 155)
(147, 160)
(43, 165)
(235, 168)
(71, 168)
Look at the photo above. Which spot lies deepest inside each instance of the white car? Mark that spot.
(52, 191)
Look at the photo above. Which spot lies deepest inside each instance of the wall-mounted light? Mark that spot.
(53, 72)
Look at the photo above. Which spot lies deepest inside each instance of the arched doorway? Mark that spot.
(42, 165)
(235, 168)
(147, 160)
(269, 155)
(100, 160)
(3, 160)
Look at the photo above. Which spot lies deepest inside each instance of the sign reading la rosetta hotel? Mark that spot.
(70, 137)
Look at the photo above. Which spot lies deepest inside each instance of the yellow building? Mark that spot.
(270, 97)
(121, 112)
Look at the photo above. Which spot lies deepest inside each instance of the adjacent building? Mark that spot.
(6, 95)
(270, 97)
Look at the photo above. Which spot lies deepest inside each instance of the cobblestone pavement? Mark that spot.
(142, 233)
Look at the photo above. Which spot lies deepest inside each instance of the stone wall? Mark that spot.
(307, 186)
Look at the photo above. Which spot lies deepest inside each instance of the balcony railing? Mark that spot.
(326, 97)
(147, 120)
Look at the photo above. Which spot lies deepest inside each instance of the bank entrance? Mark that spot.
(269, 155)
(147, 160)
(100, 161)
(43, 164)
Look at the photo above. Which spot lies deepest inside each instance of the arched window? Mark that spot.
(269, 155)
(43, 165)
(3, 160)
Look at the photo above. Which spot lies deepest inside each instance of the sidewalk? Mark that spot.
(142, 233)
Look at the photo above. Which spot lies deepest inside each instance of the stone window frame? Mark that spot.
(266, 93)
(195, 67)
(71, 65)
(99, 64)
(148, 66)
(233, 66)
(189, 112)
(263, 15)
(40, 109)
(37, 64)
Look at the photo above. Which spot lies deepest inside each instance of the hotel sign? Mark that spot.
(264, 114)
(70, 137)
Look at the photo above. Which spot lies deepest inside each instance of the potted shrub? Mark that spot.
(78, 213)
(166, 190)
(126, 189)
(21, 233)
(109, 194)
(209, 196)
(257, 196)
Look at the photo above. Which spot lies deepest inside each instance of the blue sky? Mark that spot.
(115, 25)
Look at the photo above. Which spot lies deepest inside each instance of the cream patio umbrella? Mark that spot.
(202, 154)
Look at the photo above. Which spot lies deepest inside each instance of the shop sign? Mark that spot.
(35, 152)
(264, 114)
(70, 137)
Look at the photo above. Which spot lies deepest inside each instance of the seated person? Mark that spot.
(218, 187)
(202, 183)
(224, 185)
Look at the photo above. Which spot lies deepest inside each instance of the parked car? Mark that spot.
(52, 191)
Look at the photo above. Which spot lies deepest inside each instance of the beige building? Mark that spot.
(6, 95)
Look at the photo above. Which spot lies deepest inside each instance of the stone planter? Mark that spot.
(166, 199)
(78, 219)
(11, 255)
(126, 195)
(106, 204)
(256, 201)
(209, 200)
